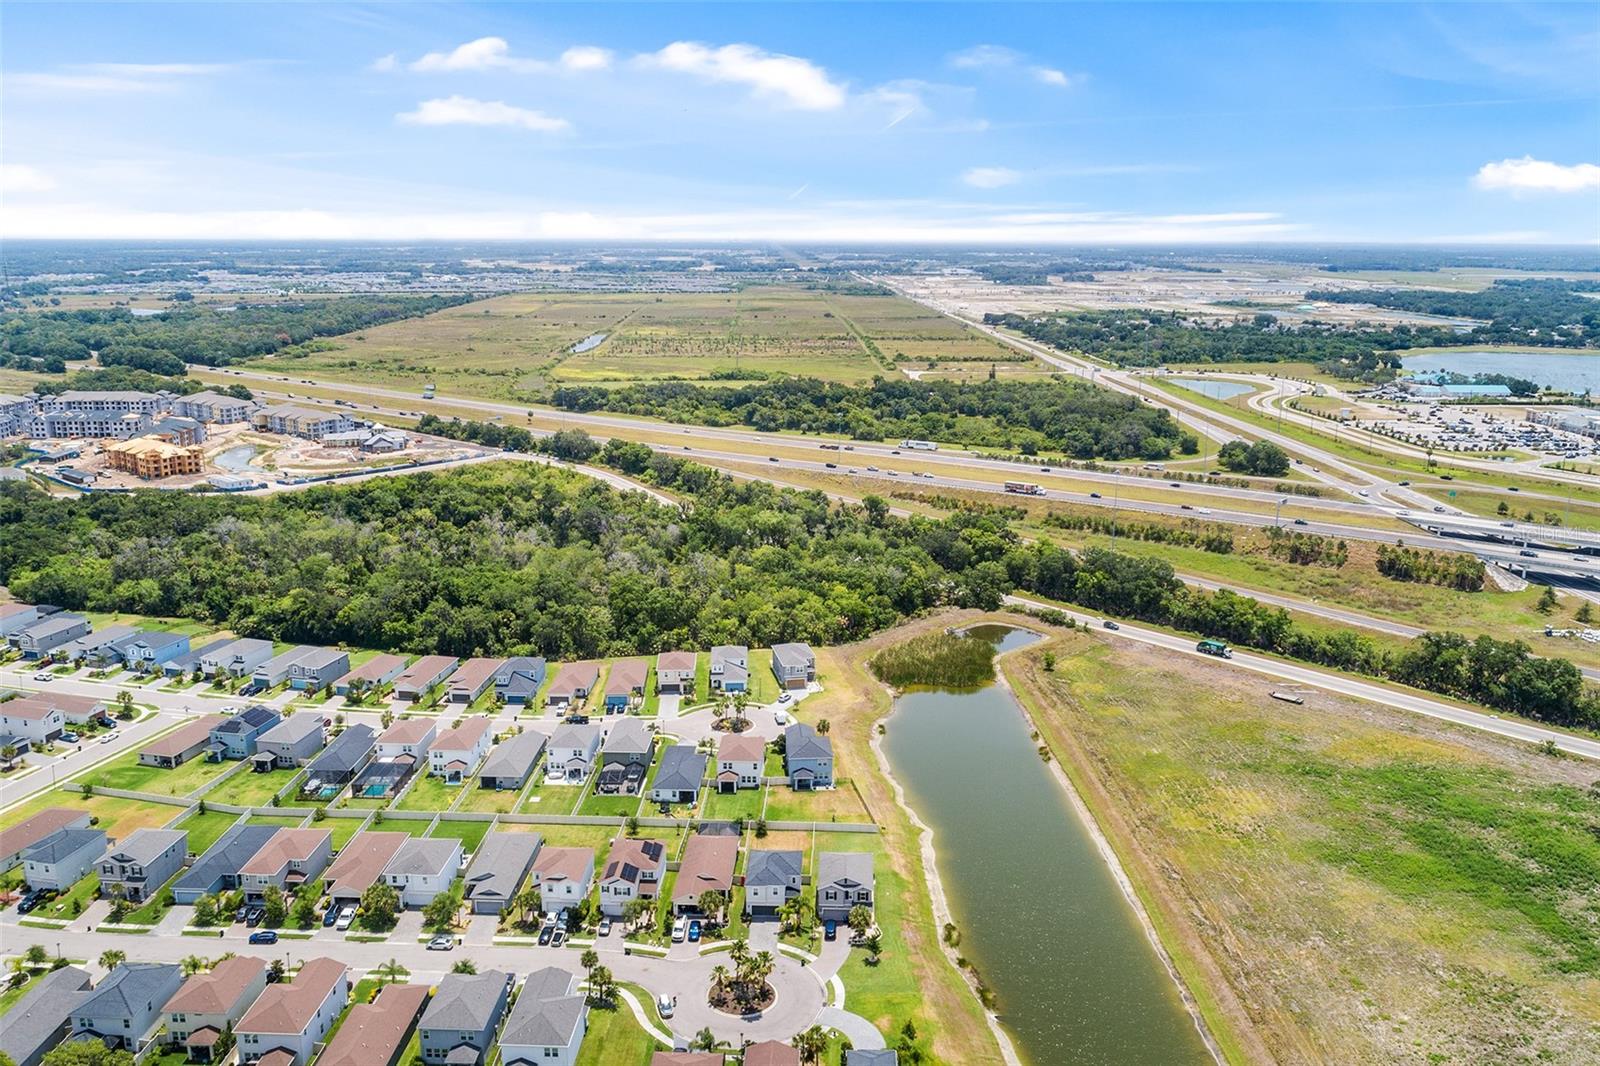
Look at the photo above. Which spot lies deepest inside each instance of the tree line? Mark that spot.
(1450, 569)
(1547, 312)
(1073, 417)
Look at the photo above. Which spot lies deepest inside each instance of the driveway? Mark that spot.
(667, 706)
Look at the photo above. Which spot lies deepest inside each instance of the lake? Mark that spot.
(593, 340)
(1569, 371)
(236, 459)
(1215, 388)
(1041, 917)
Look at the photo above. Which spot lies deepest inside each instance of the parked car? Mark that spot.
(605, 927)
(680, 929)
(442, 942)
(69, 736)
(780, 717)
(346, 917)
(264, 936)
(558, 937)
(785, 698)
(830, 930)
(240, 914)
(664, 1006)
(253, 918)
(546, 934)
(29, 902)
(44, 677)
(330, 916)
(694, 932)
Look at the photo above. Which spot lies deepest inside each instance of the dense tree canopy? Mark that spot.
(1539, 311)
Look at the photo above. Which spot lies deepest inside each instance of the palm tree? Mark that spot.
(111, 958)
(811, 1043)
(719, 977)
(589, 960)
(192, 964)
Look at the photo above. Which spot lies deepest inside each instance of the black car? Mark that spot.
(253, 919)
(1095, 496)
(1300, 522)
(546, 934)
(29, 902)
(1109, 624)
(831, 466)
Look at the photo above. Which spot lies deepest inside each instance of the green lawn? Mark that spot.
(429, 793)
(702, 681)
(489, 800)
(205, 829)
(763, 686)
(343, 829)
(598, 837)
(287, 820)
(126, 773)
(150, 912)
(82, 893)
(746, 804)
(827, 805)
(551, 799)
(250, 789)
(470, 834)
(614, 1038)
(413, 826)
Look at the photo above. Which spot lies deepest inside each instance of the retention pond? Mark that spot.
(1041, 916)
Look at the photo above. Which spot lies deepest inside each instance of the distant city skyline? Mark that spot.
(973, 123)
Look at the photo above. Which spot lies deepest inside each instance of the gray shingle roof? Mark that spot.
(422, 855)
(144, 846)
(768, 868)
(346, 752)
(514, 757)
(627, 735)
(682, 769)
(465, 1001)
(232, 850)
(128, 988)
(62, 843)
(800, 741)
(547, 1011)
(499, 864)
(847, 866)
(295, 728)
(874, 1057)
(40, 1014)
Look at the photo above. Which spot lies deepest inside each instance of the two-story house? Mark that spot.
(807, 758)
(675, 672)
(217, 870)
(408, 736)
(238, 736)
(844, 880)
(423, 868)
(289, 859)
(124, 1009)
(290, 743)
(455, 752)
(771, 879)
(136, 868)
(40, 638)
(741, 758)
(730, 668)
(210, 1004)
(460, 1023)
(33, 719)
(563, 876)
(318, 669)
(573, 750)
(150, 649)
(517, 680)
(625, 757)
(548, 1021)
(296, 1014)
(794, 665)
(633, 870)
(61, 859)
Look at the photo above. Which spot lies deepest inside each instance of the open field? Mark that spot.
(516, 346)
(1366, 886)
(118, 817)
(127, 773)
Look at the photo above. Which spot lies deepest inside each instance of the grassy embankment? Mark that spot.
(1337, 881)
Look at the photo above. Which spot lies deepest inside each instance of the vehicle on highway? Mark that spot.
(1301, 522)
(44, 677)
(264, 936)
(926, 475)
(1024, 488)
(1508, 525)
(920, 445)
(442, 942)
(1203, 510)
(1109, 624)
(1362, 492)
(1175, 484)
(1438, 509)
(1214, 647)
(1403, 484)
(872, 470)
(680, 929)
(831, 466)
(107, 740)
(772, 458)
(1095, 496)
(1528, 554)
(1185, 507)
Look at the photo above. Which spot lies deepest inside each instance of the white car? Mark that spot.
(780, 717)
(44, 677)
(664, 1006)
(785, 698)
(346, 916)
(680, 929)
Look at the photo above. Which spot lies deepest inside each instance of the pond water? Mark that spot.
(1569, 371)
(1040, 915)
(144, 312)
(1215, 388)
(236, 460)
(593, 340)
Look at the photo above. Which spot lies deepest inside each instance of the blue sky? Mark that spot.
(977, 123)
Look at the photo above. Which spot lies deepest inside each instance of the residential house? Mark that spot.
(807, 758)
(15, 616)
(572, 684)
(40, 638)
(498, 867)
(563, 876)
(292, 742)
(318, 669)
(374, 1034)
(518, 679)
(459, 1025)
(675, 672)
(707, 866)
(771, 879)
(456, 751)
(211, 406)
(421, 676)
(471, 680)
(289, 859)
(218, 869)
(873, 1057)
(77, 710)
(741, 760)
(60, 860)
(625, 757)
(34, 719)
(680, 775)
(238, 736)
(371, 675)
(16, 839)
(633, 870)
(182, 744)
(343, 758)
(136, 868)
(770, 1053)
(90, 644)
(39, 1020)
(210, 1005)
(730, 668)
(298, 421)
(548, 1021)
(124, 1008)
(275, 671)
(511, 761)
(407, 736)
(360, 865)
(844, 880)
(294, 1015)
(423, 868)
(794, 665)
(185, 664)
(149, 649)
(573, 750)
(625, 685)
(687, 1058)
(237, 658)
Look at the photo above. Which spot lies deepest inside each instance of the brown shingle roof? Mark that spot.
(741, 747)
(707, 864)
(771, 1053)
(361, 861)
(474, 672)
(216, 992)
(27, 833)
(635, 854)
(676, 660)
(285, 846)
(462, 738)
(373, 668)
(183, 738)
(374, 1033)
(407, 731)
(562, 863)
(289, 1007)
(627, 675)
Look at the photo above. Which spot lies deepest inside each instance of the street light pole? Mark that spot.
(1277, 511)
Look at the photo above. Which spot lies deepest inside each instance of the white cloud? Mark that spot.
(465, 111)
(1537, 175)
(385, 64)
(19, 178)
(140, 70)
(797, 82)
(1050, 76)
(980, 56)
(115, 77)
(485, 53)
(586, 57)
(991, 177)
